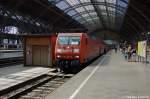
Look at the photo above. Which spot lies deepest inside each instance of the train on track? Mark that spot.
(73, 50)
(67, 51)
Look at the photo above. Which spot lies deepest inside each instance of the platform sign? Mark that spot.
(142, 48)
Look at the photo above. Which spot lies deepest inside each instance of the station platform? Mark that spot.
(7, 70)
(19, 75)
(109, 77)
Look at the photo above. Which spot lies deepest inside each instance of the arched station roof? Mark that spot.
(95, 14)
(129, 18)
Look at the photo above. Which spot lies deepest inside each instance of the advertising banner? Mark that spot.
(142, 48)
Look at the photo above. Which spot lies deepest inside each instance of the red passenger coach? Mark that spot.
(75, 49)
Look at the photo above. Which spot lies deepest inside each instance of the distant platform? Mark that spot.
(19, 75)
(9, 51)
(5, 55)
(14, 69)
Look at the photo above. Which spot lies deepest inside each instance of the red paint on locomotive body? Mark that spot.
(77, 48)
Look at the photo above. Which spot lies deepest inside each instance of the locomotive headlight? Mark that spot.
(59, 50)
(76, 56)
(76, 50)
(58, 56)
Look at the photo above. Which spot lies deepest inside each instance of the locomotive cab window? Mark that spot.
(75, 40)
(63, 40)
(66, 40)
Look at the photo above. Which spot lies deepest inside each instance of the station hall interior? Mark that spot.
(74, 49)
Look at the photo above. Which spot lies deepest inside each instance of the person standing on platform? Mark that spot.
(133, 55)
(115, 49)
(126, 53)
(129, 52)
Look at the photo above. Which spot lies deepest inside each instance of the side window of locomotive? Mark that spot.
(74, 40)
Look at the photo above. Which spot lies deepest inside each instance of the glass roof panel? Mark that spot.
(93, 14)
(100, 0)
(122, 4)
(89, 19)
(111, 1)
(80, 9)
(89, 7)
(78, 18)
(73, 2)
(102, 7)
(85, 15)
(104, 13)
(83, 1)
(111, 9)
(19, 17)
(120, 12)
(72, 12)
(5, 14)
(62, 5)
(82, 21)
(96, 18)
(13, 17)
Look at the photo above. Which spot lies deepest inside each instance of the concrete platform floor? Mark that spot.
(13, 69)
(15, 75)
(110, 77)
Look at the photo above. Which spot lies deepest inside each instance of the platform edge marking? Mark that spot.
(85, 81)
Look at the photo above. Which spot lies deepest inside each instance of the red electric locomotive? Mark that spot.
(72, 50)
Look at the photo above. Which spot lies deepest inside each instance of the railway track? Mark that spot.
(11, 61)
(39, 88)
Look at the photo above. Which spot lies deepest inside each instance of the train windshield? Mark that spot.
(64, 40)
(74, 40)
